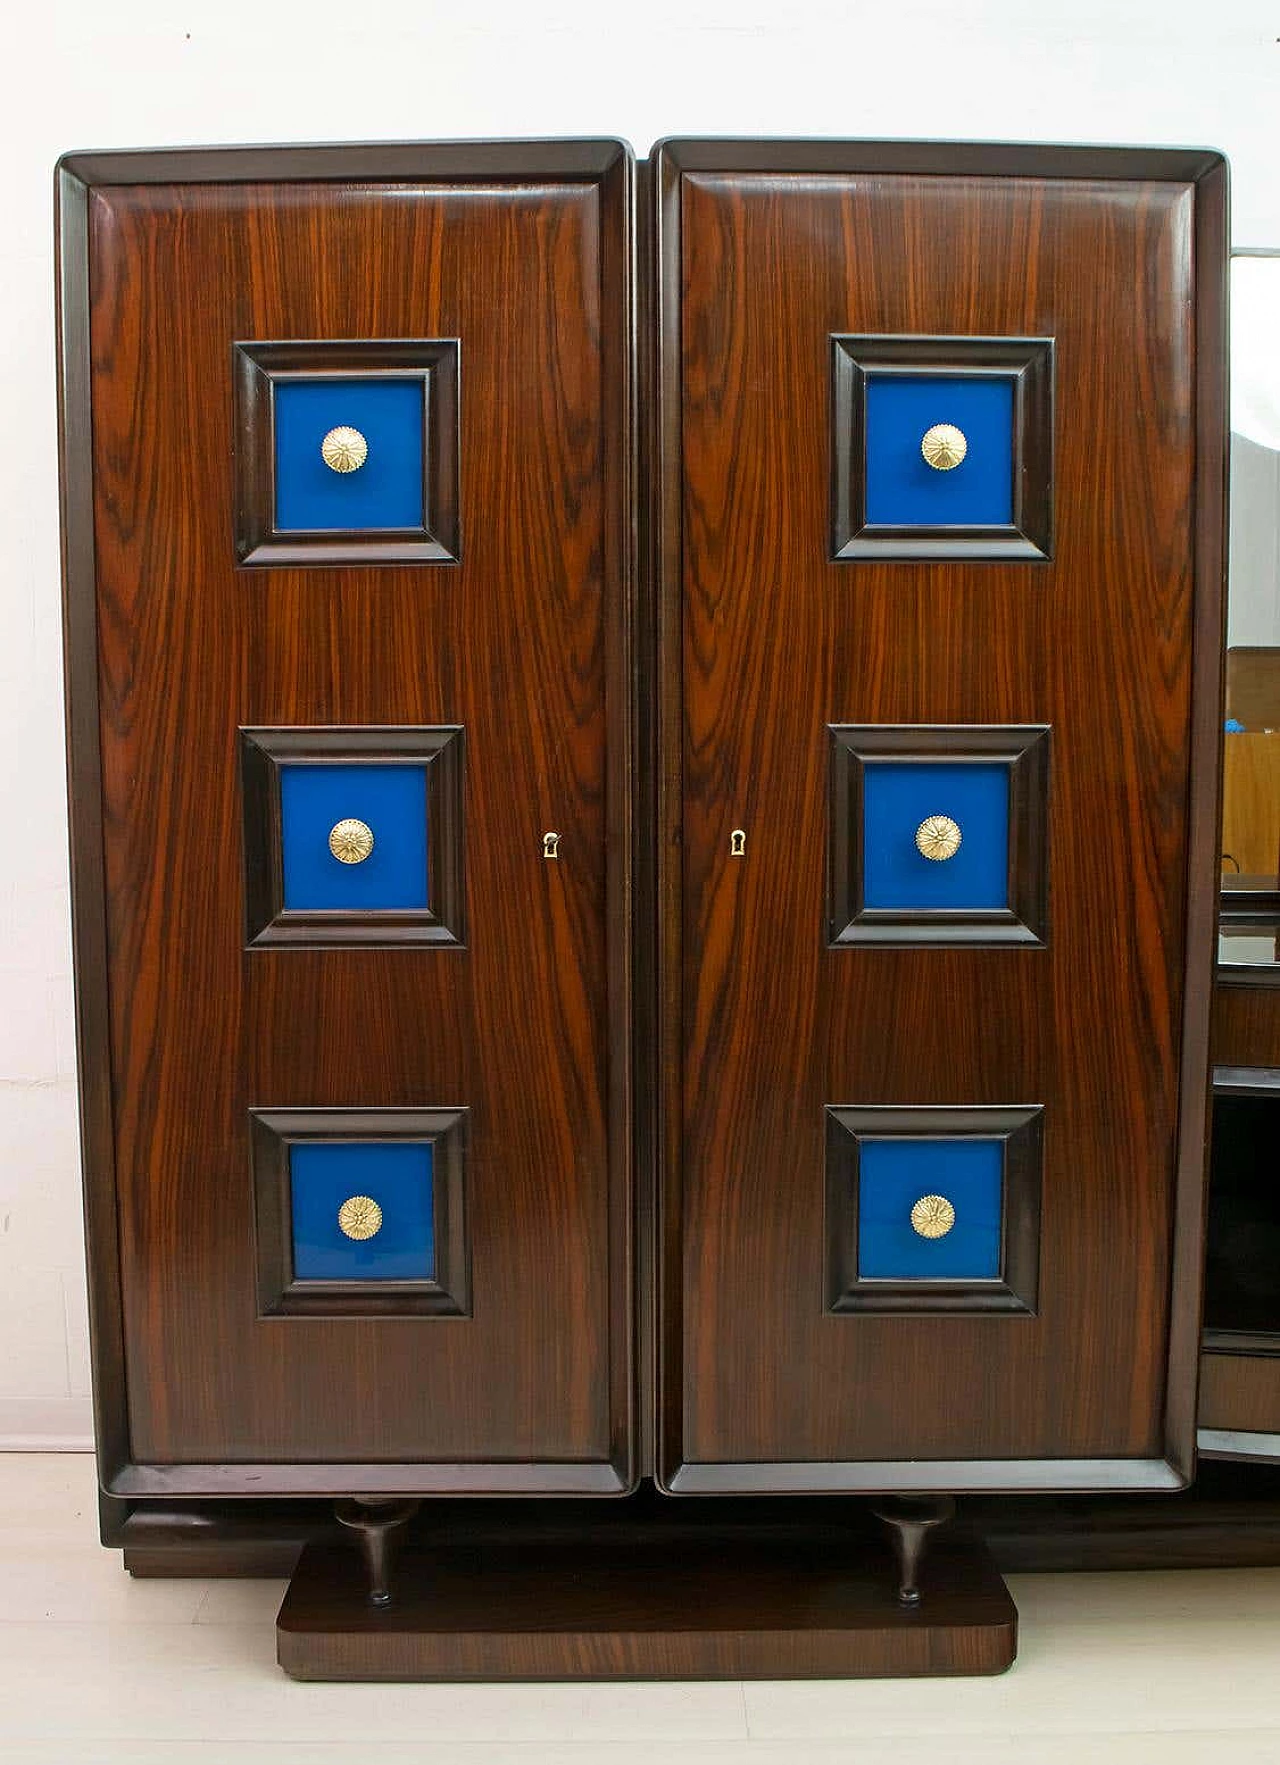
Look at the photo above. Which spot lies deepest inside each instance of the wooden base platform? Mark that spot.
(646, 1589)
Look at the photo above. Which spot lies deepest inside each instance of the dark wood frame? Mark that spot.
(268, 922)
(609, 164)
(280, 1293)
(258, 368)
(1024, 749)
(671, 161)
(1015, 1289)
(1027, 362)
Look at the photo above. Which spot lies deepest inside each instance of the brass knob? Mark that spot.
(944, 446)
(933, 1216)
(360, 1217)
(350, 841)
(344, 449)
(938, 837)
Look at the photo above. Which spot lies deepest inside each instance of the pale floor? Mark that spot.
(97, 1668)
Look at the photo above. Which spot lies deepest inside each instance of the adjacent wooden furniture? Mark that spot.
(644, 783)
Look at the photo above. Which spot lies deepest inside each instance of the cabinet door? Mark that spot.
(348, 442)
(942, 463)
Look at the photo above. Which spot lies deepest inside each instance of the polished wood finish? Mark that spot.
(1246, 1022)
(1240, 1392)
(524, 253)
(1253, 686)
(765, 251)
(638, 1590)
(1230, 1517)
(380, 1526)
(911, 1521)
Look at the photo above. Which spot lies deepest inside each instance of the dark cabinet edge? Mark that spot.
(336, 1478)
(588, 157)
(933, 1476)
(1008, 159)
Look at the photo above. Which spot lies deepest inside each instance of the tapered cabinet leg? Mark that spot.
(910, 1519)
(379, 1526)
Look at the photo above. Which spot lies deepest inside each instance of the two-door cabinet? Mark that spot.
(644, 794)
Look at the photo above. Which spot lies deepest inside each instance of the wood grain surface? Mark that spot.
(648, 1588)
(524, 644)
(767, 642)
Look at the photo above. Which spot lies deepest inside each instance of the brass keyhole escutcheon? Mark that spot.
(551, 845)
(351, 841)
(344, 449)
(933, 1216)
(360, 1217)
(738, 843)
(944, 447)
(938, 838)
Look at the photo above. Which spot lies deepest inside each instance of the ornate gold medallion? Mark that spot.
(944, 446)
(351, 841)
(360, 1217)
(933, 1216)
(344, 449)
(938, 838)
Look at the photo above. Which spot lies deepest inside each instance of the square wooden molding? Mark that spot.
(1020, 1128)
(1027, 362)
(260, 367)
(280, 1294)
(267, 920)
(1024, 749)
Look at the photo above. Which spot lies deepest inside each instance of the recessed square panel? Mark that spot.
(381, 863)
(900, 798)
(384, 490)
(938, 834)
(361, 1211)
(942, 447)
(903, 489)
(353, 835)
(930, 1210)
(933, 1208)
(346, 451)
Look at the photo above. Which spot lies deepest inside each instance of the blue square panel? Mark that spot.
(897, 795)
(391, 801)
(396, 1176)
(902, 488)
(385, 493)
(894, 1174)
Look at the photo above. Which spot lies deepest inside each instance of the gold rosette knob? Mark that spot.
(360, 1217)
(344, 449)
(944, 446)
(932, 1216)
(938, 838)
(351, 841)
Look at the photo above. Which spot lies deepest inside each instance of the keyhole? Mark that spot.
(550, 845)
(738, 843)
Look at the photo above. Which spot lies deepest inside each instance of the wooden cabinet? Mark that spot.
(434, 648)
(850, 648)
(737, 1024)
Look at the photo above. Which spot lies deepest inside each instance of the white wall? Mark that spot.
(152, 72)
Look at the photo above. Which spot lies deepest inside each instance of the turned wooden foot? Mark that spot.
(910, 1519)
(379, 1525)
